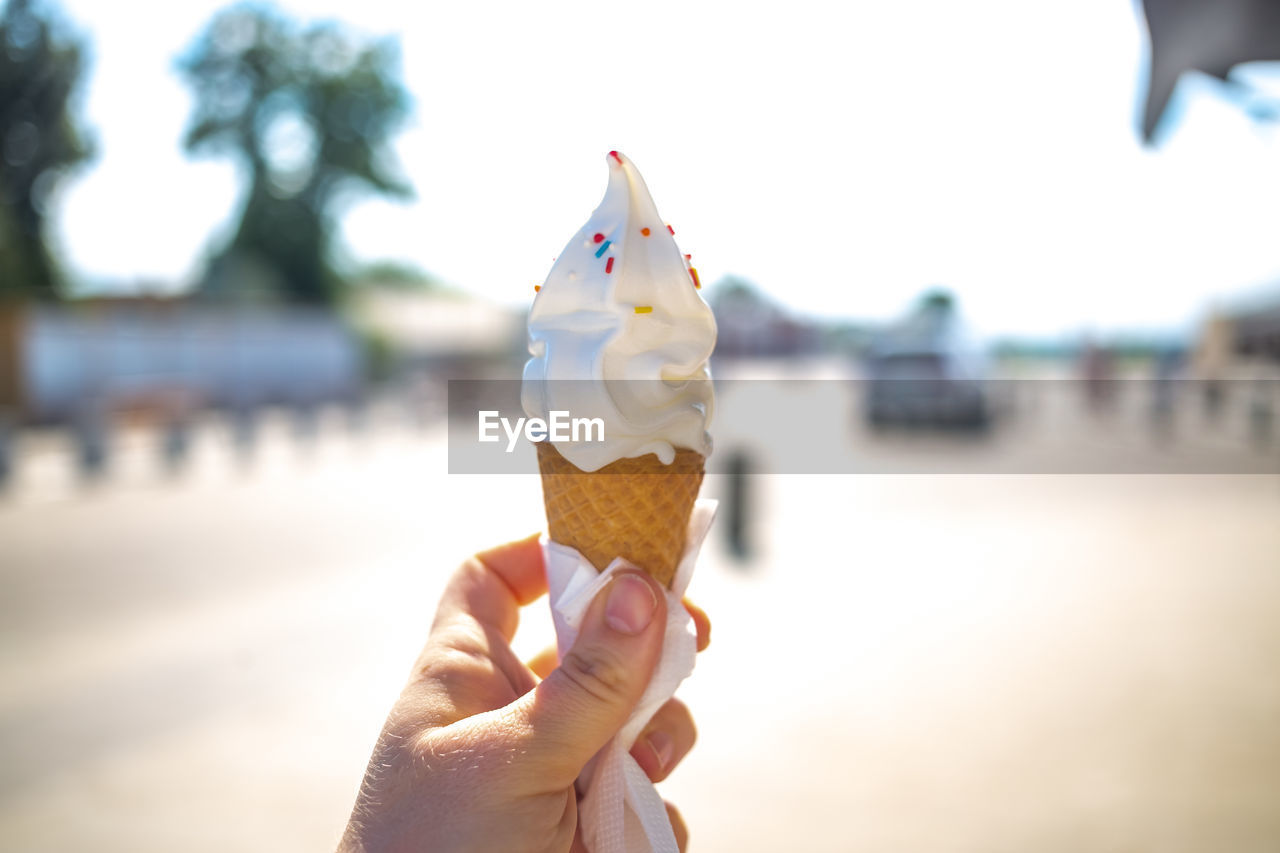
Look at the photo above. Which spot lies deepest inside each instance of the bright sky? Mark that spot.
(841, 158)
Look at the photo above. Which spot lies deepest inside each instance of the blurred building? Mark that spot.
(166, 357)
(750, 325)
(1232, 340)
(440, 331)
(1257, 332)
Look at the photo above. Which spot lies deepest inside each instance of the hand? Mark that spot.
(478, 754)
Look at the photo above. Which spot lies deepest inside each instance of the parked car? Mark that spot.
(925, 387)
(927, 371)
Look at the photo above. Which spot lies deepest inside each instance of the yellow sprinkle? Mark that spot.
(644, 309)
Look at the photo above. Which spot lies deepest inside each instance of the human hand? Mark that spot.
(478, 753)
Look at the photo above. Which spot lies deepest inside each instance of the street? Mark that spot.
(967, 662)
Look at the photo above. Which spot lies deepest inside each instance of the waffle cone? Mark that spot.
(637, 508)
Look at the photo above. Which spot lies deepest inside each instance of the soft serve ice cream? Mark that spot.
(619, 332)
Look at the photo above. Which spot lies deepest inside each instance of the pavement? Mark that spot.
(964, 662)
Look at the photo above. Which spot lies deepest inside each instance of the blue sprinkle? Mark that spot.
(604, 247)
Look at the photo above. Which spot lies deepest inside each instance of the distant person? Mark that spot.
(481, 751)
(1165, 369)
(1264, 380)
(1097, 368)
(1211, 363)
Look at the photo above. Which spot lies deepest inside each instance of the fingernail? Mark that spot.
(631, 605)
(661, 744)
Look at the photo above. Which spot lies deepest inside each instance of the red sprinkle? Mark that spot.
(608, 265)
(672, 230)
(614, 155)
(688, 257)
(598, 238)
(693, 272)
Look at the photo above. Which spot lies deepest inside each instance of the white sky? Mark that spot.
(841, 158)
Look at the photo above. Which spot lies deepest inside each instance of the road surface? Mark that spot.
(927, 663)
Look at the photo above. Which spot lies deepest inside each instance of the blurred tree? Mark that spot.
(937, 300)
(308, 114)
(40, 66)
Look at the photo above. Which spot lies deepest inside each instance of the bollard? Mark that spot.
(175, 448)
(244, 431)
(306, 422)
(357, 411)
(89, 431)
(1261, 421)
(738, 506)
(8, 438)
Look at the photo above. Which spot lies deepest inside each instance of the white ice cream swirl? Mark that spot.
(619, 332)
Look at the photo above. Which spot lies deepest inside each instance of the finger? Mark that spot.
(519, 564)
(678, 827)
(584, 701)
(702, 622)
(492, 586)
(665, 740)
(544, 661)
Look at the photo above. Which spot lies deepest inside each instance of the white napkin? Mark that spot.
(620, 810)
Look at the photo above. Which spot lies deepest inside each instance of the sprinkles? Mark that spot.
(694, 274)
(644, 309)
(604, 247)
(672, 230)
(537, 287)
(644, 231)
(597, 238)
(608, 265)
(614, 155)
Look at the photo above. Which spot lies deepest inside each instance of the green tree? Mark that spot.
(40, 66)
(308, 114)
(937, 300)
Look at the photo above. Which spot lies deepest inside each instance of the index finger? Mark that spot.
(493, 585)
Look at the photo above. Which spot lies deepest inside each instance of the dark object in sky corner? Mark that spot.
(1211, 36)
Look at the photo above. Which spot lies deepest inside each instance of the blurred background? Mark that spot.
(1029, 249)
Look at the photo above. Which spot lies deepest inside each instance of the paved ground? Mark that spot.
(925, 663)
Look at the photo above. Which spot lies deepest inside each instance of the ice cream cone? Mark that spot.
(635, 508)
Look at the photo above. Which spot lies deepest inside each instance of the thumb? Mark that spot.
(583, 703)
